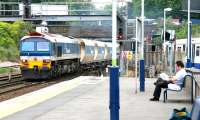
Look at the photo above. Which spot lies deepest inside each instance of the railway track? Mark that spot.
(14, 86)
(10, 88)
(9, 77)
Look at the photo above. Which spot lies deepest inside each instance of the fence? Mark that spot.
(127, 63)
(12, 68)
(153, 63)
(179, 56)
(194, 86)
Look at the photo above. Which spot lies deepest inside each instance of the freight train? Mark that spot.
(45, 55)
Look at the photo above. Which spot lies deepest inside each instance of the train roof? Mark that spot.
(88, 42)
(109, 44)
(101, 44)
(183, 41)
(51, 37)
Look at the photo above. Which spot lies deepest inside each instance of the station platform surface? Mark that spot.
(87, 98)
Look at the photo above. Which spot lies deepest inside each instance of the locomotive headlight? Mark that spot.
(46, 61)
(24, 60)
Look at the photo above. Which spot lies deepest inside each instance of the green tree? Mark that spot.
(9, 40)
(19, 29)
(108, 9)
(6, 41)
(154, 8)
(180, 30)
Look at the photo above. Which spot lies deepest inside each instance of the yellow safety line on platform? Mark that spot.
(20, 103)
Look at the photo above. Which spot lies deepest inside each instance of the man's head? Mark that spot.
(179, 65)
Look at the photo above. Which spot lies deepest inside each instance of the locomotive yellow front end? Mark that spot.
(35, 63)
(35, 68)
(35, 54)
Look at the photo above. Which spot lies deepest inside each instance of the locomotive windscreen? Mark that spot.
(42, 46)
(35, 44)
(27, 46)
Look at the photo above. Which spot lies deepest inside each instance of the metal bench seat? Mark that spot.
(182, 86)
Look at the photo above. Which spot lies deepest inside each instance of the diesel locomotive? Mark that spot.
(45, 55)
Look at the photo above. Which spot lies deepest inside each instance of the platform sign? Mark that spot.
(129, 55)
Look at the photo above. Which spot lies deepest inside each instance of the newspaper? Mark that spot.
(164, 76)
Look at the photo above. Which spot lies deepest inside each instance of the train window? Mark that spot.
(27, 46)
(183, 47)
(103, 51)
(73, 48)
(198, 51)
(91, 50)
(88, 49)
(179, 49)
(67, 48)
(110, 50)
(54, 49)
(100, 51)
(42, 46)
(77, 48)
(59, 49)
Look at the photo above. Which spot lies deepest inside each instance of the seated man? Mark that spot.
(173, 82)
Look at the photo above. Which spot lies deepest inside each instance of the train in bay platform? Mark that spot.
(181, 48)
(45, 55)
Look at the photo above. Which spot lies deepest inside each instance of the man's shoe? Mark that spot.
(154, 99)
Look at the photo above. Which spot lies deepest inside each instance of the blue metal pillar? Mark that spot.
(142, 76)
(142, 73)
(189, 63)
(114, 93)
(189, 59)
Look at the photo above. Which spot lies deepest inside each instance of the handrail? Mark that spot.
(10, 66)
(195, 86)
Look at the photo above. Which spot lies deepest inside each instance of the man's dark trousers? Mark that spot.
(159, 85)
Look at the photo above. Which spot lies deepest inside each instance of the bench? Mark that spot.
(182, 86)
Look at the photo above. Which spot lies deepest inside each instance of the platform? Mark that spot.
(87, 98)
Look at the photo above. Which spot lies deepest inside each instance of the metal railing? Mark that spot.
(64, 8)
(195, 83)
(11, 72)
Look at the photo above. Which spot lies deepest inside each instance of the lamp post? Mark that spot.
(164, 30)
(142, 69)
(114, 104)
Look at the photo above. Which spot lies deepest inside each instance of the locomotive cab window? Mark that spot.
(27, 46)
(42, 46)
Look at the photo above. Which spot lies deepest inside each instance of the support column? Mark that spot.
(114, 93)
(142, 70)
